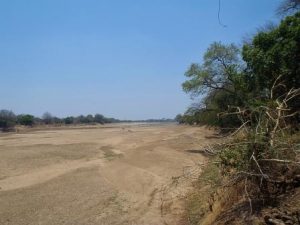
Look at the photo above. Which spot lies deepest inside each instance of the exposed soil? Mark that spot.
(105, 175)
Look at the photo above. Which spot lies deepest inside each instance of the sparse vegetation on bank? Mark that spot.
(8, 120)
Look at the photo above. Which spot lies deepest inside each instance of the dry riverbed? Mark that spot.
(102, 176)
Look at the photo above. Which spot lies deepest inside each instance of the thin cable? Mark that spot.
(219, 11)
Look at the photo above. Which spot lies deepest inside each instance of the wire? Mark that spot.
(219, 11)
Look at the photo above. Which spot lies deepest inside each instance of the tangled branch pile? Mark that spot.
(266, 156)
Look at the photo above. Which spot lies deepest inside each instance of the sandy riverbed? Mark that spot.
(104, 175)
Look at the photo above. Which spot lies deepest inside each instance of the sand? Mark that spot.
(96, 175)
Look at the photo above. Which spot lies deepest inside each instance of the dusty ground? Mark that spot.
(107, 175)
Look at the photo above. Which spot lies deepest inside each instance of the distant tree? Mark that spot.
(27, 120)
(81, 119)
(56, 120)
(90, 118)
(111, 120)
(179, 118)
(47, 118)
(69, 120)
(98, 118)
(38, 120)
(7, 120)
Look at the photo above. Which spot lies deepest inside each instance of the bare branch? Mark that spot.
(243, 125)
(279, 161)
(260, 170)
(248, 196)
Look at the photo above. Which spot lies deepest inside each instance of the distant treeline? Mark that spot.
(8, 120)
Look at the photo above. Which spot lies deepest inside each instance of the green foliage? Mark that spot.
(236, 155)
(99, 118)
(272, 54)
(179, 119)
(90, 118)
(211, 175)
(27, 120)
(8, 120)
(220, 80)
(219, 70)
(271, 68)
(69, 120)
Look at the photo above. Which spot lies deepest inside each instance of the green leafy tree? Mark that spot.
(275, 53)
(69, 120)
(179, 118)
(90, 118)
(220, 71)
(27, 120)
(274, 56)
(219, 80)
(98, 118)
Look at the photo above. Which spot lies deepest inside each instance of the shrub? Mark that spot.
(7, 120)
(27, 120)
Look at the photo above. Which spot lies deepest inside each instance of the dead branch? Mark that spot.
(279, 161)
(275, 85)
(243, 125)
(248, 196)
(260, 170)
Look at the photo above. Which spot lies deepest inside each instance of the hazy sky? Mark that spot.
(121, 58)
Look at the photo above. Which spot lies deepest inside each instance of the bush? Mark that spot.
(69, 120)
(7, 120)
(27, 120)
